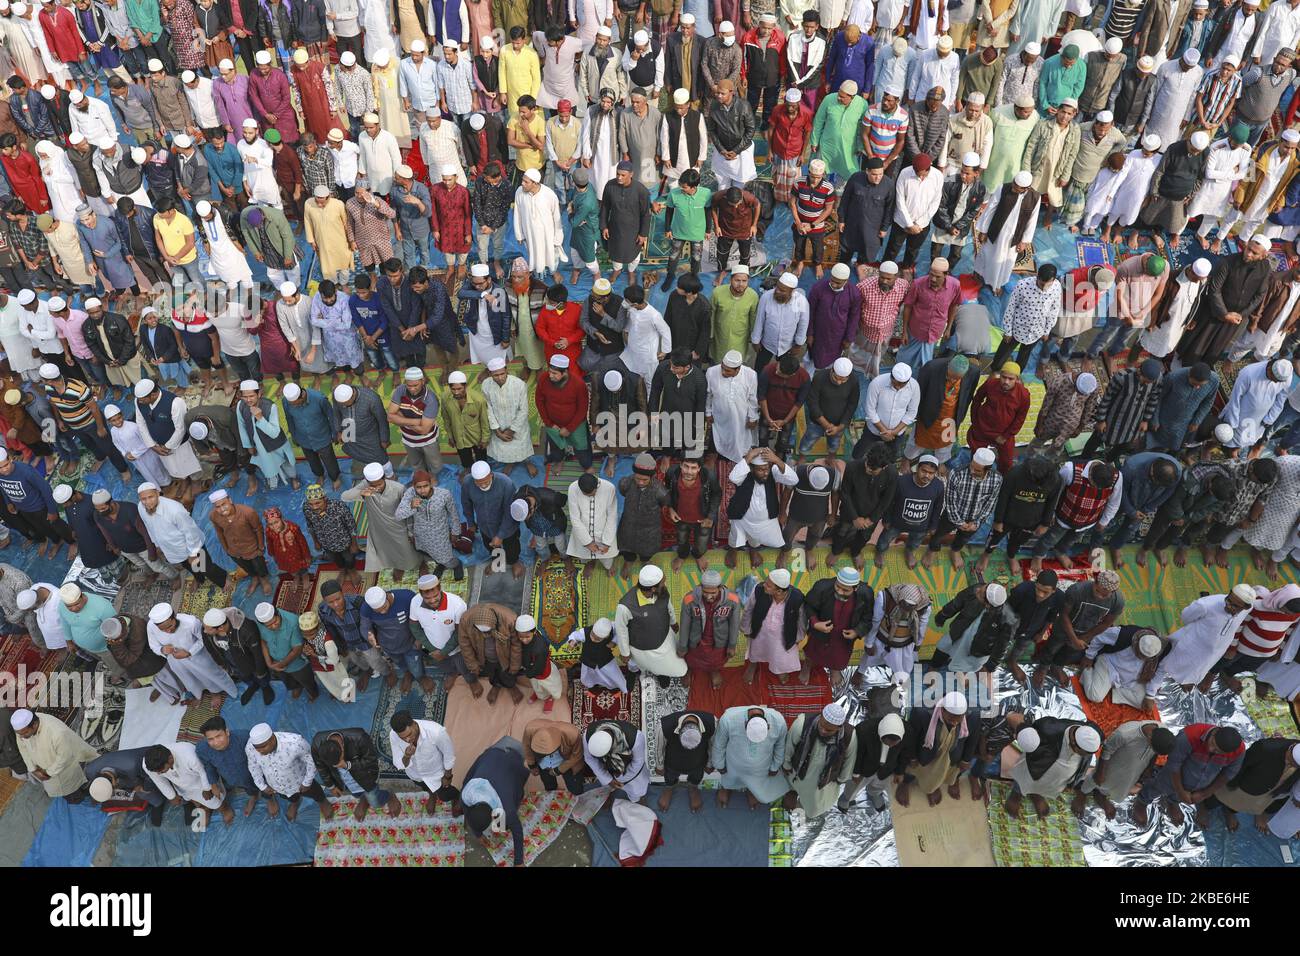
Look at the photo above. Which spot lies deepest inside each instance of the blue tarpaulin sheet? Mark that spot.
(140, 843)
(736, 836)
(69, 835)
(258, 840)
(1247, 846)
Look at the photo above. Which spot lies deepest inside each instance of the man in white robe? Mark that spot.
(1176, 85)
(52, 751)
(60, 181)
(1258, 397)
(748, 750)
(760, 525)
(1227, 162)
(538, 225)
(92, 118)
(598, 146)
(259, 176)
(511, 441)
(177, 454)
(593, 522)
(381, 156)
(179, 775)
(42, 600)
(129, 438)
(731, 406)
(996, 255)
(179, 637)
(1209, 625)
(424, 750)
(1130, 675)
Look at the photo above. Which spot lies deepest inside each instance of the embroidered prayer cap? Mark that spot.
(1086, 383)
(519, 509)
(733, 358)
(260, 734)
(644, 464)
(711, 578)
(757, 730)
(849, 576)
(792, 95)
(264, 612)
(1109, 580)
(780, 577)
(1202, 268)
(835, 713)
(70, 593)
(1028, 740)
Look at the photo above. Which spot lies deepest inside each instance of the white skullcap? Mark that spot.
(726, 26)
(76, 96)
(155, 65)
(76, 139)
(26, 297)
(1146, 64)
(1024, 179)
(292, 392)
(1114, 45)
(265, 612)
(486, 43)
(602, 627)
(1191, 56)
(756, 729)
(145, 486)
(901, 372)
(1149, 645)
(189, 76)
(198, 430)
(264, 57)
(974, 98)
(842, 367)
(183, 141)
(1231, 58)
(780, 577)
(604, 31)
(686, 18)
(819, 477)
(457, 378)
(214, 617)
(496, 363)
(203, 207)
(533, 175)
(479, 270)
(793, 95)
(600, 743)
(249, 385)
(101, 496)
(519, 509)
(375, 597)
(984, 456)
(1200, 139)
(447, 169)
(1291, 136)
(1087, 738)
(1202, 267)
(995, 594)
(69, 594)
(382, 58)
(373, 471)
(640, 38)
(418, 46)
(1086, 383)
(1105, 116)
(250, 123)
(426, 581)
(1261, 240)
(321, 191)
(480, 470)
(613, 380)
(101, 789)
(62, 494)
(143, 387)
(840, 271)
(955, 703)
(972, 159)
(1151, 142)
(343, 393)
(348, 58)
(835, 713)
(1028, 740)
(1033, 48)
(649, 576)
(789, 280)
(889, 268)
(413, 374)
(681, 96)
(525, 623)
(939, 264)
(160, 612)
(690, 737)
(476, 121)
(945, 42)
(260, 734)
(26, 600)
(732, 359)
(219, 495)
(50, 371)
(1223, 433)
(559, 361)
(287, 289)
(1282, 370)
(56, 303)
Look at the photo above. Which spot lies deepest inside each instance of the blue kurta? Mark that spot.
(748, 765)
(103, 245)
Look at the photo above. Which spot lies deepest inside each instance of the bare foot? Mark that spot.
(748, 676)
(926, 559)
(1180, 557)
(1012, 806)
(665, 799)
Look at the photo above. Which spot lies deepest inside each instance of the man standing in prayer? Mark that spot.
(281, 763)
(424, 750)
(819, 752)
(941, 746)
(644, 624)
(749, 751)
(1005, 230)
(388, 544)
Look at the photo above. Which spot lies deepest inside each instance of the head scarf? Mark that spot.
(620, 752)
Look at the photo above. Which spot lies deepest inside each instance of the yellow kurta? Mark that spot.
(65, 247)
(329, 234)
(408, 25)
(521, 74)
(58, 751)
(392, 116)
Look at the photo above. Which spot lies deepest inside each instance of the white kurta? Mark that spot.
(1101, 197)
(197, 672)
(1255, 402)
(1283, 674)
(433, 757)
(48, 619)
(758, 528)
(182, 462)
(734, 172)
(1207, 631)
(16, 345)
(538, 227)
(187, 778)
(172, 530)
(439, 147)
(733, 405)
(647, 338)
(225, 261)
(593, 518)
(590, 16)
(1175, 88)
(60, 182)
(1133, 187)
(635, 778)
(58, 750)
(1163, 339)
(130, 441)
(603, 155)
(380, 157)
(482, 348)
(996, 258)
(259, 176)
(377, 27)
(1224, 165)
(508, 408)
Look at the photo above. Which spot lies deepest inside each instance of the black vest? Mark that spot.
(692, 135)
(789, 627)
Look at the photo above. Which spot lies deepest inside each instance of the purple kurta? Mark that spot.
(832, 320)
(232, 102)
(270, 95)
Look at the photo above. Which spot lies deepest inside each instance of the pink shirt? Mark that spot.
(70, 329)
(930, 307)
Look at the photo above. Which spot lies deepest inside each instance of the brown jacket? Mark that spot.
(502, 621)
(1279, 290)
(570, 743)
(240, 533)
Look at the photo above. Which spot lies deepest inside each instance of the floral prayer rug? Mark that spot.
(591, 704)
(294, 597)
(558, 602)
(412, 839)
(1031, 840)
(543, 815)
(197, 598)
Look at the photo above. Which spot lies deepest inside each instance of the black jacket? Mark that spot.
(358, 751)
(689, 323)
(867, 763)
(710, 492)
(1025, 503)
(865, 211)
(943, 217)
(866, 496)
(497, 146)
(265, 36)
(1261, 767)
(931, 380)
(118, 332)
(996, 628)
(918, 724)
(669, 394)
(1051, 735)
(1032, 616)
(672, 54)
(819, 602)
(550, 504)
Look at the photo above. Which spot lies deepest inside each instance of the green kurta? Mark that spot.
(1058, 82)
(733, 320)
(584, 221)
(1009, 138)
(466, 426)
(510, 13)
(837, 133)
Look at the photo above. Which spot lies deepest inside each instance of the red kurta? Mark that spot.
(789, 134)
(62, 35)
(24, 175)
(995, 412)
(552, 326)
(451, 217)
(269, 94)
(289, 548)
(317, 114)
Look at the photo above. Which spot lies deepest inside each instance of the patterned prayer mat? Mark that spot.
(600, 704)
(209, 706)
(543, 815)
(1092, 252)
(19, 650)
(431, 706)
(558, 602)
(657, 703)
(102, 729)
(780, 842)
(1107, 714)
(412, 839)
(136, 599)
(9, 785)
(1032, 840)
(293, 597)
(197, 598)
(1272, 715)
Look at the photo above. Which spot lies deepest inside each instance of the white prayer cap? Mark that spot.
(640, 38)
(93, 303)
(1028, 740)
(1281, 370)
(519, 509)
(732, 359)
(381, 58)
(740, 270)
(901, 373)
(347, 59)
(62, 494)
(1291, 136)
(203, 207)
(479, 270)
(974, 98)
(649, 576)
(613, 380)
(954, 703)
(76, 96)
(849, 576)
(20, 718)
(1202, 267)
(767, 18)
(264, 57)
(48, 92)
(1192, 56)
(559, 361)
(156, 65)
(682, 96)
(457, 378)
(1024, 179)
(496, 363)
(27, 599)
(343, 393)
(448, 169)
(1223, 433)
(413, 374)
(817, 167)
(250, 123)
(145, 486)
(1033, 48)
(789, 280)
(1146, 64)
(1105, 116)
(214, 617)
(224, 65)
(842, 367)
(1295, 753)
(889, 268)
(1201, 5)
(1200, 139)
(111, 627)
(373, 471)
(160, 612)
(4, 454)
(1025, 101)
(840, 271)
(404, 171)
(288, 289)
(726, 26)
(525, 623)
(602, 627)
(292, 392)
(480, 470)
(264, 612)
(260, 734)
(533, 175)
(486, 43)
(1231, 58)
(198, 430)
(945, 42)
(1114, 45)
(219, 495)
(971, 159)
(182, 141)
(928, 460)
(793, 95)
(1261, 240)
(600, 743)
(939, 264)
(101, 496)
(189, 76)
(1149, 645)
(101, 789)
(76, 139)
(819, 478)
(603, 31)
(995, 594)
(1151, 142)
(686, 18)
(143, 387)
(1086, 383)
(476, 121)
(418, 46)
(756, 729)
(50, 371)
(426, 581)
(249, 385)
(835, 713)
(780, 577)
(984, 456)
(69, 594)
(56, 303)
(690, 737)
(1087, 738)
(321, 190)
(375, 597)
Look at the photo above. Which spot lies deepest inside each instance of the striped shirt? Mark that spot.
(409, 406)
(1123, 18)
(1219, 95)
(1263, 632)
(885, 130)
(811, 201)
(74, 405)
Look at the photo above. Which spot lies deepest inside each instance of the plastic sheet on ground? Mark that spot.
(69, 836)
(735, 836)
(258, 840)
(1247, 846)
(140, 843)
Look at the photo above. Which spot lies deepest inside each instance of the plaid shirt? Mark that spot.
(356, 91)
(456, 83)
(31, 240)
(967, 499)
(317, 170)
(880, 309)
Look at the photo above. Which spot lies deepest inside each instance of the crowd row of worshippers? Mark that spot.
(820, 761)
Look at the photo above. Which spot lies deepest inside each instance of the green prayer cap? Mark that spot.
(1156, 265)
(1071, 52)
(1239, 133)
(959, 365)
(272, 136)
